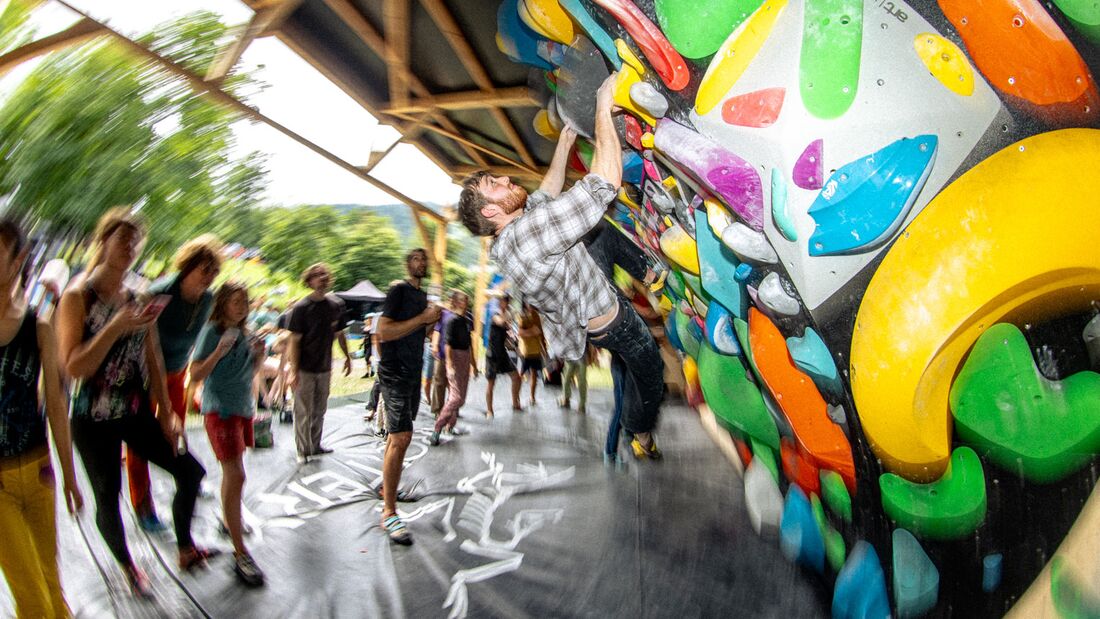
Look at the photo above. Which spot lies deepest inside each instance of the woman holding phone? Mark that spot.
(226, 360)
(28, 533)
(183, 300)
(107, 347)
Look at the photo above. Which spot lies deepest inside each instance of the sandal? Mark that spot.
(397, 531)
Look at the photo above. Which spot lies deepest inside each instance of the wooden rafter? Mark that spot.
(80, 31)
(264, 21)
(517, 96)
(451, 31)
(474, 145)
(366, 33)
(217, 94)
(395, 13)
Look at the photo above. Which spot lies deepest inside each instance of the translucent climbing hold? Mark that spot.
(991, 572)
(864, 203)
(646, 97)
(1043, 429)
(763, 500)
(593, 29)
(748, 244)
(695, 286)
(757, 109)
(543, 127)
(828, 68)
(697, 28)
(812, 356)
(717, 216)
(724, 174)
(775, 297)
(632, 132)
(946, 62)
(798, 467)
(735, 55)
(735, 401)
(860, 590)
(834, 541)
(809, 168)
(719, 330)
(780, 215)
(799, 537)
(916, 579)
(836, 495)
(715, 265)
(950, 508)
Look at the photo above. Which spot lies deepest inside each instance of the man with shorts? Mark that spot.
(497, 361)
(401, 327)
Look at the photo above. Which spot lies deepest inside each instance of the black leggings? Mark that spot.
(99, 444)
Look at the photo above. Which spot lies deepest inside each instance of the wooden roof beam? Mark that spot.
(264, 21)
(518, 96)
(395, 13)
(77, 33)
(474, 145)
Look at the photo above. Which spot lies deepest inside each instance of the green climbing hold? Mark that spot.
(835, 550)
(675, 283)
(1072, 599)
(836, 494)
(763, 453)
(697, 28)
(832, 43)
(694, 284)
(687, 335)
(950, 508)
(1021, 420)
(741, 329)
(1084, 15)
(736, 402)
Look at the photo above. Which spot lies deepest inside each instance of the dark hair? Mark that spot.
(413, 252)
(221, 303)
(470, 203)
(199, 251)
(11, 233)
(115, 218)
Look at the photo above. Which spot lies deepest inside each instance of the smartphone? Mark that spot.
(156, 306)
(230, 335)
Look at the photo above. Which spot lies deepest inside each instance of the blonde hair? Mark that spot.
(115, 218)
(221, 304)
(201, 250)
(313, 270)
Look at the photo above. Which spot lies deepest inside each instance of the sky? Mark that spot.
(298, 97)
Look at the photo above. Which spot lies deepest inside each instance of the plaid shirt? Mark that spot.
(540, 254)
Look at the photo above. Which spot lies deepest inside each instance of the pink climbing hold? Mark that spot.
(809, 169)
(754, 109)
(666, 61)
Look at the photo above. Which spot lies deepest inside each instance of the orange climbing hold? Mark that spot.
(823, 442)
(1020, 49)
(799, 467)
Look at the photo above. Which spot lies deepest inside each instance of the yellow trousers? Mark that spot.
(28, 535)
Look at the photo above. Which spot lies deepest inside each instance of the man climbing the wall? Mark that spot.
(537, 248)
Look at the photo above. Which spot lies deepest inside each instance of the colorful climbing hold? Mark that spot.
(946, 62)
(729, 177)
(735, 401)
(593, 29)
(748, 244)
(864, 203)
(662, 57)
(812, 356)
(774, 297)
(799, 537)
(765, 456)
(1084, 15)
(757, 109)
(860, 590)
(798, 467)
(647, 99)
(991, 572)
(916, 579)
(1013, 415)
(763, 500)
(715, 265)
(516, 39)
(735, 55)
(780, 215)
(950, 508)
(692, 391)
(834, 541)
(809, 168)
(697, 28)
(832, 43)
(836, 495)
(719, 330)
(547, 18)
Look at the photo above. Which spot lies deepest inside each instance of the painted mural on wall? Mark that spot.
(882, 224)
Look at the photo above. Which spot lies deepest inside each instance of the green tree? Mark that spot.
(368, 248)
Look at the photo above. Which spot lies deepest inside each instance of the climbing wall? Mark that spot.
(881, 225)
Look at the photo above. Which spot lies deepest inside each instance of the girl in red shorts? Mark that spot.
(226, 360)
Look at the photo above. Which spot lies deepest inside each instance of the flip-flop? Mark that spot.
(397, 531)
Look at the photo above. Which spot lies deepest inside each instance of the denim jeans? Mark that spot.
(618, 375)
(643, 383)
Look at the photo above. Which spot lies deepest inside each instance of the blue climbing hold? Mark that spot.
(799, 536)
(812, 356)
(716, 261)
(743, 272)
(916, 579)
(516, 39)
(864, 203)
(779, 206)
(672, 331)
(860, 591)
(594, 30)
(719, 330)
(991, 572)
(633, 170)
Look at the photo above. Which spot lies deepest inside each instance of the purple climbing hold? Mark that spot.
(729, 177)
(809, 169)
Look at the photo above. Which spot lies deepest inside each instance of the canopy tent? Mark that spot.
(364, 291)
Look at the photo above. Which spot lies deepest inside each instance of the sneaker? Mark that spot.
(196, 557)
(380, 433)
(648, 451)
(303, 459)
(322, 451)
(459, 431)
(139, 582)
(563, 403)
(396, 529)
(246, 569)
(434, 440)
(151, 523)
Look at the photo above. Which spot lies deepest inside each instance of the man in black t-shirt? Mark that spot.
(401, 327)
(314, 322)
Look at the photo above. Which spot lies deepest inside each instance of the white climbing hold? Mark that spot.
(763, 500)
(749, 244)
(645, 96)
(773, 295)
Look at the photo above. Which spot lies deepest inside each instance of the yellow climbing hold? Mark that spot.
(543, 126)
(629, 57)
(680, 249)
(627, 77)
(736, 53)
(547, 18)
(647, 139)
(717, 216)
(946, 62)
